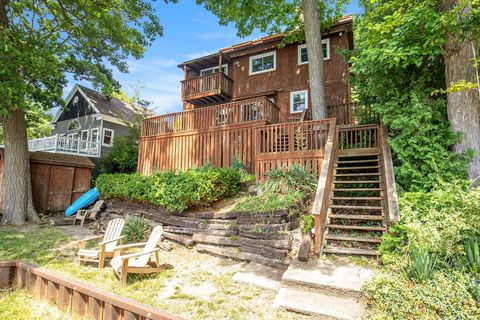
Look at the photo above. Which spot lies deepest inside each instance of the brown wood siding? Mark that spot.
(57, 180)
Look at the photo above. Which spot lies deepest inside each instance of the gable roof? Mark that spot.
(102, 105)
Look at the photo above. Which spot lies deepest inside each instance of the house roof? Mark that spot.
(257, 42)
(113, 107)
(57, 159)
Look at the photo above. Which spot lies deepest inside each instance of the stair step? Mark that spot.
(357, 198)
(318, 304)
(357, 217)
(357, 181)
(357, 239)
(357, 168)
(357, 161)
(345, 250)
(355, 174)
(341, 206)
(357, 189)
(347, 227)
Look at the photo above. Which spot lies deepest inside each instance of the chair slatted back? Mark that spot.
(114, 230)
(98, 206)
(152, 242)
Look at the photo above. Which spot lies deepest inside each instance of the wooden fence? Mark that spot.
(237, 112)
(281, 145)
(358, 137)
(79, 298)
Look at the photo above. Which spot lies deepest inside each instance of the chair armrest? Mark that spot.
(139, 254)
(111, 240)
(132, 245)
(89, 239)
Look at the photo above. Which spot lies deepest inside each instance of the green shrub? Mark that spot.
(270, 202)
(473, 257)
(237, 164)
(422, 264)
(135, 229)
(441, 221)
(446, 296)
(295, 178)
(176, 192)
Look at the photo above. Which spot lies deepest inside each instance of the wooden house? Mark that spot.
(250, 101)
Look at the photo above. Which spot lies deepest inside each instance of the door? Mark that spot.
(60, 188)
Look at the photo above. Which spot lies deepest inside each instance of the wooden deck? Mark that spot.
(208, 89)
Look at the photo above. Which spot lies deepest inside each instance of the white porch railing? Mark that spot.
(60, 144)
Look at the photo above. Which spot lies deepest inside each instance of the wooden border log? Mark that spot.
(304, 251)
(268, 252)
(228, 252)
(223, 241)
(264, 235)
(278, 244)
(183, 239)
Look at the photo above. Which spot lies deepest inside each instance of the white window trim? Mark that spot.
(301, 46)
(84, 145)
(91, 135)
(74, 120)
(103, 137)
(250, 65)
(291, 100)
(223, 66)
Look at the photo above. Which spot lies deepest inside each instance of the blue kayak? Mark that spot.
(85, 200)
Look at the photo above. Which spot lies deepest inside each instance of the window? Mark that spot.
(73, 125)
(303, 55)
(204, 72)
(107, 137)
(298, 101)
(84, 140)
(263, 63)
(94, 136)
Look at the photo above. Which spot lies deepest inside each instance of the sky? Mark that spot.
(190, 32)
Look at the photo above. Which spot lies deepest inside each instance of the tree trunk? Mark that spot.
(16, 171)
(463, 108)
(313, 37)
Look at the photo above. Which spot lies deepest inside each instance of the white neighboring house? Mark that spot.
(87, 124)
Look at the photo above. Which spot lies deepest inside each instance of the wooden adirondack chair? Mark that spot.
(105, 248)
(138, 262)
(90, 214)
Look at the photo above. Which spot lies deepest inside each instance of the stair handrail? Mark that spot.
(391, 198)
(324, 186)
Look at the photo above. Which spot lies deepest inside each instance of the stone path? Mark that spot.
(321, 288)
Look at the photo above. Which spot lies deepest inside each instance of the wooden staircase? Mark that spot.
(356, 212)
(356, 198)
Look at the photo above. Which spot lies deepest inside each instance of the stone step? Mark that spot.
(352, 251)
(341, 206)
(318, 304)
(347, 227)
(357, 217)
(354, 239)
(339, 278)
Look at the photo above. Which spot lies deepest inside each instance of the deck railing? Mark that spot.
(65, 145)
(358, 137)
(324, 187)
(236, 112)
(215, 83)
(279, 146)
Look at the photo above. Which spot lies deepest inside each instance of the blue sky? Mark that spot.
(190, 31)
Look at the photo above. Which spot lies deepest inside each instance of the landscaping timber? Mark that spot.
(183, 239)
(223, 241)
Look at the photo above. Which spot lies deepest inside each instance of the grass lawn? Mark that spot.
(198, 286)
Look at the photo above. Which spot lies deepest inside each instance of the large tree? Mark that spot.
(41, 41)
(401, 60)
(298, 19)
